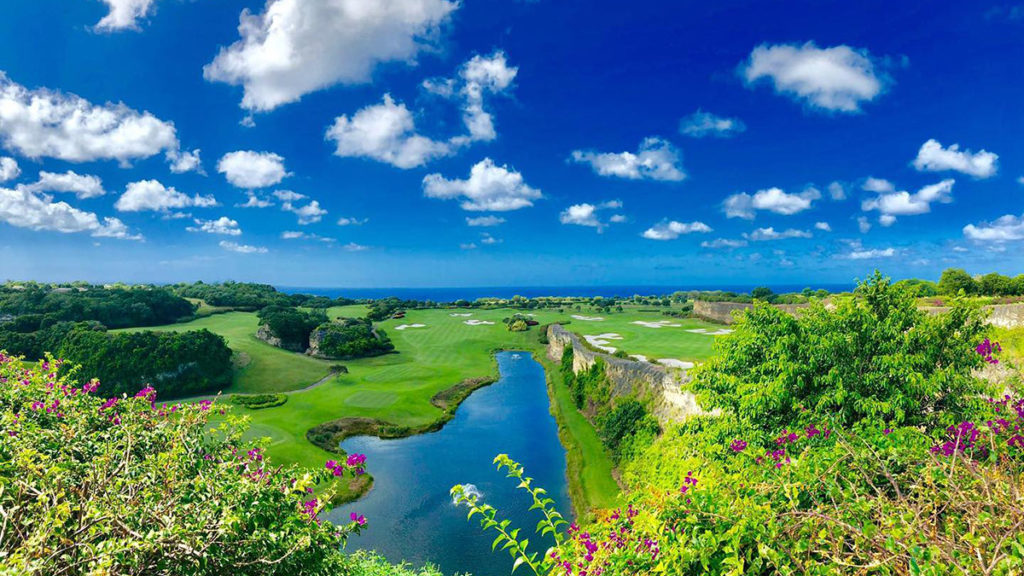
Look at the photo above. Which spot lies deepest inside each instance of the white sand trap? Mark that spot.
(705, 331)
(602, 341)
(467, 315)
(673, 363)
(588, 318)
(477, 322)
(658, 324)
(404, 326)
(639, 358)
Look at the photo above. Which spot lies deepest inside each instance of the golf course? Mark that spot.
(435, 349)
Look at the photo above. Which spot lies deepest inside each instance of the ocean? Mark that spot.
(472, 293)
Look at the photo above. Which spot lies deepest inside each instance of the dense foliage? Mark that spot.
(179, 363)
(259, 401)
(847, 440)
(956, 280)
(235, 294)
(350, 338)
(291, 326)
(121, 485)
(28, 307)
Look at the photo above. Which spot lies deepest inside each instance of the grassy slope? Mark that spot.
(665, 342)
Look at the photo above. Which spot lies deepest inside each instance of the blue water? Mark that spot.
(410, 513)
(473, 293)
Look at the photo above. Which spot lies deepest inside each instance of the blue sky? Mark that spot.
(485, 142)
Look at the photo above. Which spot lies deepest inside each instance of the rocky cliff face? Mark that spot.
(1001, 315)
(653, 383)
(265, 334)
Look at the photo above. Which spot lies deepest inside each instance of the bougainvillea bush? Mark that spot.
(854, 439)
(128, 485)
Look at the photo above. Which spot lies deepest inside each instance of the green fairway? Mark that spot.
(260, 367)
(671, 340)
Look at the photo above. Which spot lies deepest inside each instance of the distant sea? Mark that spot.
(473, 293)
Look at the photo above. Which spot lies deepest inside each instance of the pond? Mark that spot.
(410, 513)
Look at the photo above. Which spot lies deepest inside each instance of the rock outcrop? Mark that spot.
(265, 334)
(659, 386)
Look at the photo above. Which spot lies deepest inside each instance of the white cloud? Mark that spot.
(24, 208)
(242, 248)
(932, 157)
(295, 47)
(860, 253)
(222, 225)
(485, 221)
(185, 161)
(701, 124)
(1003, 229)
(82, 185)
(836, 79)
(670, 230)
(823, 226)
(489, 240)
(863, 224)
(295, 235)
(775, 200)
(308, 214)
(353, 247)
(9, 169)
(385, 132)
(152, 195)
(489, 188)
(589, 214)
(255, 201)
(124, 14)
(45, 123)
(890, 203)
(765, 234)
(468, 246)
(346, 221)
(656, 159)
(248, 169)
(723, 243)
(1020, 180)
(837, 191)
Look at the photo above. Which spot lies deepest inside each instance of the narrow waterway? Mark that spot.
(410, 513)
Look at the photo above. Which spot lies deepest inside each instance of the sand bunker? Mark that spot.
(467, 315)
(658, 324)
(404, 326)
(639, 358)
(673, 363)
(705, 331)
(477, 322)
(602, 341)
(588, 318)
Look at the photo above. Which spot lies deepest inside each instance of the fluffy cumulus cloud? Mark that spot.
(723, 243)
(837, 191)
(295, 47)
(24, 208)
(295, 235)
(774, 200)
(185, 161)
(9, 169)
(349, 221)
(222, 225)
(656, 159)
(489, 188)
(701, 124)
(485, 221)
(250, 170)
(836, 79)
(859, 252)
(386, 132)
(81, 185)
(49, 124)
(590, 214)
(823, 226)
(891, 203)
(932, 157)
(670, 230)
(309, 213)
(151, 195)
(124, 14)
(1004, 229)
(765, 234)
(242, 248)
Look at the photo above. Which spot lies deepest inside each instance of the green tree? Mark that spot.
(953, 280)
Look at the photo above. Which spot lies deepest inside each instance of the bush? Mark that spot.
(291, 325)
(258, 401)
(122, 486)
(349, 338)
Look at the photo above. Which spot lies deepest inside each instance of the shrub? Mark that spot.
(349, 338)
(291, 325)
(258, 401)
(124, 486)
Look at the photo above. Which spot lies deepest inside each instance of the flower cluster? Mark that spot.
(986, 350)
(613, 544)
(354, 464)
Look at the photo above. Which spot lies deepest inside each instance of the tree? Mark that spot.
(763, 293)
(953, 280)
(995, 284)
